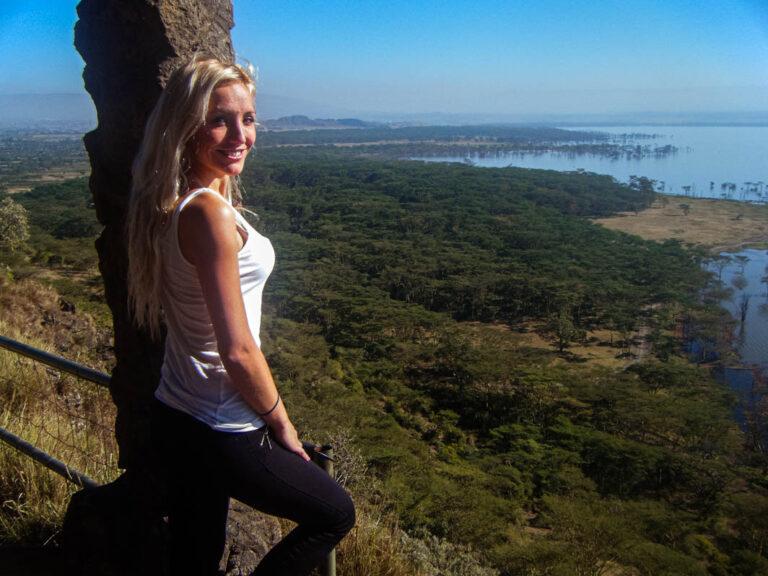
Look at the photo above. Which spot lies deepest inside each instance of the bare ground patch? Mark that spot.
(718, 225)
(599, 348)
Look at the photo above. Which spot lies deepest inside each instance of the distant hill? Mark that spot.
(75, 111)
(300, 122)
(47, 111)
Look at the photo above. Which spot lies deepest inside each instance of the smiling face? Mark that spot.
(220, 146)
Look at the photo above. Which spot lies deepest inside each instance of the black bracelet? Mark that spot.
(268, 412)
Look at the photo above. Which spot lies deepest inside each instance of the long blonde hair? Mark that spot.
(159, 175)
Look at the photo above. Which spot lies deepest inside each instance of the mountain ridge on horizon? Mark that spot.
(75, 110)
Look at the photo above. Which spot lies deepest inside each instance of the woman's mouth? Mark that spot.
(233, 154)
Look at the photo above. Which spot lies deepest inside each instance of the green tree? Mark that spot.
(563, 330)
(593, 535)
(14, 225)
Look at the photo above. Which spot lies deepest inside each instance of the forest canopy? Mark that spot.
(437, 312)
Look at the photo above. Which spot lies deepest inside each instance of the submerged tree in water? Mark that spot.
(744, 308)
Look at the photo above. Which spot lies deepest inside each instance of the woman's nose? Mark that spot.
(237, 131)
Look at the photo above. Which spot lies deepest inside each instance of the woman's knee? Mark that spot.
(343, 519)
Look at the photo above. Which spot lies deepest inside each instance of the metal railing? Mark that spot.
(321, 455)
(66, 399)
(56, 362)
(47, 460)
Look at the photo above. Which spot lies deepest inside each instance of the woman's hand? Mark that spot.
(286, 435)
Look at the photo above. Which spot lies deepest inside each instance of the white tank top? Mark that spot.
(193, 378)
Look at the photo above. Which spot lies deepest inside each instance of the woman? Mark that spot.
(218, 419)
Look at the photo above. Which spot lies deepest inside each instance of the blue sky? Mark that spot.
(458, 56)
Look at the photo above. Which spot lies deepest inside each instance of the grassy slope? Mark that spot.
(720, 225)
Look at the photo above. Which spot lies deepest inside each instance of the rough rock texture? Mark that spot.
(104, 534)
(250, 535)
(130, 47)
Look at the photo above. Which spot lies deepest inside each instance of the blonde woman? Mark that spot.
(218, 420)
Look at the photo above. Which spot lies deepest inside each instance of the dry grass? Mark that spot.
(31, 311)
(600, 348)
(378, 547)
(716, 224)
(375, 547)
(27, 182)
(68, 418)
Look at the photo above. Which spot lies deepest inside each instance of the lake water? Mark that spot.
(751, 337)
(707, 158)
(747, 280)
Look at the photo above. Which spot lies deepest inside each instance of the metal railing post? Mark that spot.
(323, 457)
(327, 465)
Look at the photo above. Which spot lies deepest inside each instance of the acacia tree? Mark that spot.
(720, 263)
(562, 328)
(14, 225)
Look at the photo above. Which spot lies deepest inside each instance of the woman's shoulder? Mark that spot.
(200, 196)
(206, 220)
(201, 208)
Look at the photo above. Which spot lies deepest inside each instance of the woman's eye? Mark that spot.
(249, 120)
(217, 121)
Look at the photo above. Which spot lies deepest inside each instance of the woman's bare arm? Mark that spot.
(209, 239)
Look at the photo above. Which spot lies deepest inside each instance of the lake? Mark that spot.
(751, 338)
(708, 157)
(745, 273)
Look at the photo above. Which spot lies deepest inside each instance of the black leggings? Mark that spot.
(205, 467)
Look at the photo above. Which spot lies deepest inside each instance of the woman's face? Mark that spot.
(219, 146)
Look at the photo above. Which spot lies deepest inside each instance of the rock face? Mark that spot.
(250, 535)
(106, 534)
(130, 47)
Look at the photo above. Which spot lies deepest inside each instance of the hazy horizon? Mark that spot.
(76, 111)
(485, 59)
